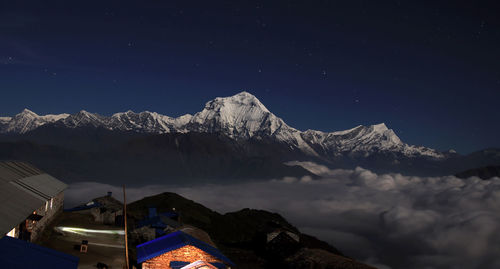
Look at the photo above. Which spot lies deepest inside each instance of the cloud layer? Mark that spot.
(389, 220)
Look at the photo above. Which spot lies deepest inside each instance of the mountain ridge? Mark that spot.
(240, 117)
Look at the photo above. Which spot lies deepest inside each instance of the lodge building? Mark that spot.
(29, 200)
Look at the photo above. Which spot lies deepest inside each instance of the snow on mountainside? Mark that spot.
(28, 120)
(149, 122)
(241, 116)
(365, 139)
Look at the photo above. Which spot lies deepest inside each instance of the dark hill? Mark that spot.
(158, 159)
(485, 172)
(240, 235)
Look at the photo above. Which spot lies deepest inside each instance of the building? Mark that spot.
(29, 200)
(161, 224)
(282, 232)
(178, 249)
(108, 210)
(282, 243)
(20, 254)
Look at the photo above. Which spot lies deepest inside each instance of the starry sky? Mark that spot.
(429, 69)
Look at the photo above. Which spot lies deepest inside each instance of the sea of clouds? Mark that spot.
(388, 220)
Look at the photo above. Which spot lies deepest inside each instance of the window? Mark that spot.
(46, 206)
(51, 202)
(12, 233)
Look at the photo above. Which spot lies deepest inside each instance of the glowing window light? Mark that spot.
(12, 233)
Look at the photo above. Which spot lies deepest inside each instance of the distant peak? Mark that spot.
(381, 127)
(85, 113)
(245, 93)
(240, 99)
(27, 111)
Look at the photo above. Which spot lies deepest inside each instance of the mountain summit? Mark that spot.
(239, 117)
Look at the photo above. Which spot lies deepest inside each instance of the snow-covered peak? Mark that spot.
(148, 122)
(84, 118)
(379, 128)
(28, 120)
(27, 113)
(238, 100)
(239, 116)
(385, 134)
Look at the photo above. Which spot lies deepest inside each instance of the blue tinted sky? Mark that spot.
(430, 71)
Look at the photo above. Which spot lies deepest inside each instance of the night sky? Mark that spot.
(430, 71)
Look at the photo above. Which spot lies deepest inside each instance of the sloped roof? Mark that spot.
(19, 254)
(172, 242)
(23, 189)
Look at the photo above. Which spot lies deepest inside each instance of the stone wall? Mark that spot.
(105, 215)
(185, 254)
(48, 212)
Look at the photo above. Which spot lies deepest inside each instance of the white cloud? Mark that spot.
(391, 219)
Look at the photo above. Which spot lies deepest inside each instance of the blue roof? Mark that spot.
(19, 254)
(83, 207)
(175, 241)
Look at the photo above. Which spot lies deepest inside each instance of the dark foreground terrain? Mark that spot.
(240, 235)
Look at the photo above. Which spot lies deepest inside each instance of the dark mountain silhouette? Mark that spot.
(485, 172)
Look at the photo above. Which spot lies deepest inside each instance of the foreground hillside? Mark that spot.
(241, 235)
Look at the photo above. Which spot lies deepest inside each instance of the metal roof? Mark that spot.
(23, 189)
(175, 241)
(15, 206)
(19, 254)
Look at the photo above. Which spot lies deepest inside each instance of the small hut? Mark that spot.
(161, 224)
(282, 243)
(109, 210)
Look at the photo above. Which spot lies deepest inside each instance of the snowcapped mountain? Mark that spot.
(26, 121)
(365, 140)
(149, 122)
(240, 117)
(243, 116)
